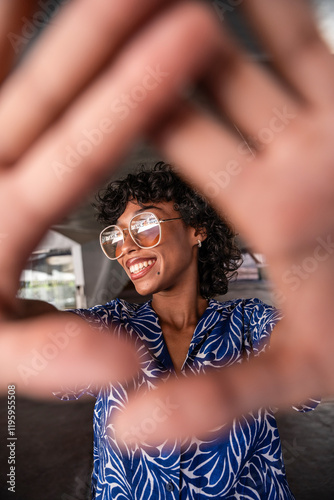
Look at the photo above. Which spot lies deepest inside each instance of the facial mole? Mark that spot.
(158, 272)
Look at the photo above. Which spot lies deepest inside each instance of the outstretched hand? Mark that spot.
(103, 75)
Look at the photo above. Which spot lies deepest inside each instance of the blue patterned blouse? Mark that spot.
(244, 463)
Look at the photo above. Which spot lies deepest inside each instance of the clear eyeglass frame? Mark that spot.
(130, 231)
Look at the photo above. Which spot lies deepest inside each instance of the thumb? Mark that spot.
(42, 355)
(198, 404)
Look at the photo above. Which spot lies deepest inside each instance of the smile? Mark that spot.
(141, 268)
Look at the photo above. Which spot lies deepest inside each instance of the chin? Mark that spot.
(146, 290)
(143, 292)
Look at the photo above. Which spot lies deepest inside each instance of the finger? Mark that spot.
(69, 53)
(249, 96)
(77, 152)
(270, 198)
(198, 405)
(40, 356)
(13, 38)
(230, 181)
(300, 54)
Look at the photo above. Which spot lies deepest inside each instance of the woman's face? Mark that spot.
(169, 266)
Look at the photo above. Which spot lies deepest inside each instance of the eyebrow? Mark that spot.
(147, 208)
(144, 209)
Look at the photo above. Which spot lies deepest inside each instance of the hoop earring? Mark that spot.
(199, 243)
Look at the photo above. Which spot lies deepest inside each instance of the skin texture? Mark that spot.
(280, 197)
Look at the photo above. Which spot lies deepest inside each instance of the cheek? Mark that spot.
(177, 257)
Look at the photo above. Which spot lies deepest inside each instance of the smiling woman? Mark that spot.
(161, 191)
(173, 245)
(65, 125)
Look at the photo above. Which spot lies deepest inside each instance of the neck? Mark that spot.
(179, 309)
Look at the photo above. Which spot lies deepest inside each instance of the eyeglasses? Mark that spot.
(144, 229)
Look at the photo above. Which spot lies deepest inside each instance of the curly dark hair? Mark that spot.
(218, 258)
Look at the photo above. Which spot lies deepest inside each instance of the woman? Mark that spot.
(173, 246)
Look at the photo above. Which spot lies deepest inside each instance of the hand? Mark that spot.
(60, 137)
(67, 115)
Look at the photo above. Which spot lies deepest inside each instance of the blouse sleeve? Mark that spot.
(261, 319)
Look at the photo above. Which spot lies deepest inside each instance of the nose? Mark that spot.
(128, 245)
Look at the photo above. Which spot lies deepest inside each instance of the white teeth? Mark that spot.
(138, 267)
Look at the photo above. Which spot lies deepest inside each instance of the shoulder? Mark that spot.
(248, 308)
(254, 318)
(114, 311)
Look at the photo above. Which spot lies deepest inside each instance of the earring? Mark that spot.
(199, 243)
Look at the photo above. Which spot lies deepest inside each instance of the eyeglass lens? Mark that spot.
(144, 228)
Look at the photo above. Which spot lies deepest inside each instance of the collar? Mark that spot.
(145, 322)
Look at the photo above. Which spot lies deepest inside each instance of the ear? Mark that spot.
(199, 235)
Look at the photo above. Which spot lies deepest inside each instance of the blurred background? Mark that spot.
(68, 269)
